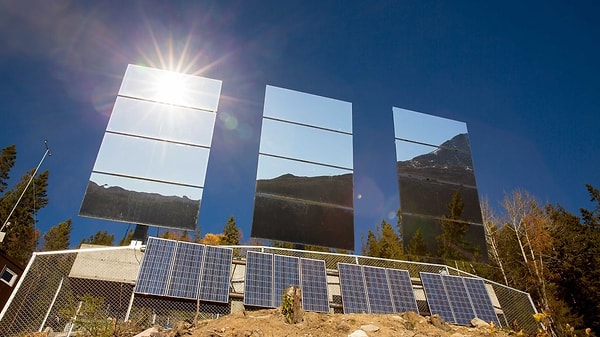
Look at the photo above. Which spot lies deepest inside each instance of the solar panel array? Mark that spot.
(367, 289)
(268, 275)
(458, 299)
(185, 270)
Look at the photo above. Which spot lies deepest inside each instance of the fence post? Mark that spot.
(62, 279)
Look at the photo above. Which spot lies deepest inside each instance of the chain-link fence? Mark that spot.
(96, 286)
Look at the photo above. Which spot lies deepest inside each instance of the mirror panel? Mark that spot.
(471, 247)
(162, 121)
(171, 88)
(426, 197)
(423, 128)
(304, 223)
(303, 108)
(330, 189)
(141, 201)
(154, 160)
(306, 143)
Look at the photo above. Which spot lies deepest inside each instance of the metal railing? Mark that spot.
(99, 282)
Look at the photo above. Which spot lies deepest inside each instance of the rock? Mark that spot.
(439, 322)
(343, 327)
(479, 323)
(147, 332)
(369, 328)
(358, 333)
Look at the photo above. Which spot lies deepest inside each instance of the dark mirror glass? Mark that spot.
(141, 201)
(170, 87)
(303, 222)
(427, 236)
(426, 197)
(303, 108)
(162, 121)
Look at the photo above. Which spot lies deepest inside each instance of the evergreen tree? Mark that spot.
(385, 244)
(101, 238)
(126, 240)
(57, 237)
(417, 245)
(8, 157)
(451, 244)
(231, 233)
(574, 261)
(21, 234)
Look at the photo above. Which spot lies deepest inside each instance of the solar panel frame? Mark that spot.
(155, 270)
(353, 288)
(186, 271)
(480, 298)
(313, 282)
(436, 296)
(459, 299)
(286, 273)
(378, 290)
(258, 285)
(216, 273)
(403, 295)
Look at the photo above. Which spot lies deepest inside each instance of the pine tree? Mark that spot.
(8, 157)
(417, 245)
(21, 234)
(231, 233)
(101, 238)
(385, 244)
(126, 240)
(57, 237)
(451, 244)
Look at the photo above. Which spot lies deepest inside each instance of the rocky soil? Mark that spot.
(271, 322)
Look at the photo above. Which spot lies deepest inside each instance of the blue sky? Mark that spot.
(522, 75)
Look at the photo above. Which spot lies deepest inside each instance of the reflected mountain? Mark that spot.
(450, 162)
(118, 204)
(333, 190)
(427, 182)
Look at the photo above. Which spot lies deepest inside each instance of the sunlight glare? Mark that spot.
(170, 88)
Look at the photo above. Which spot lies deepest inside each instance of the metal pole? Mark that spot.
(51, 304)
(46, 153)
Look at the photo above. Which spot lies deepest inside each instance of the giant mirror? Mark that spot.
(152, 162)
(304, 181)
(439, 203)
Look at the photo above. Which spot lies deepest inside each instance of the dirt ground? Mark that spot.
(271, 322)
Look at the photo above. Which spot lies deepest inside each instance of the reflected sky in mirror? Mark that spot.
(139, 185)
(170, 87)
(419, 127)
(162, 121)
(306, 143)
(150, 159)
(308, 109)
(271, 167)
(407, 150)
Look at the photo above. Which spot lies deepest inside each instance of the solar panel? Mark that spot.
(436, 296)
(482, 304)
(216, 270)
(378, 290)
(258, 287)
(401, 289)
(186, 271)
(153, 277)
(313, 279)
(353, 288)
(286, 274)
(459, 299)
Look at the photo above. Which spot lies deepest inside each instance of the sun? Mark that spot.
(170, 87)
